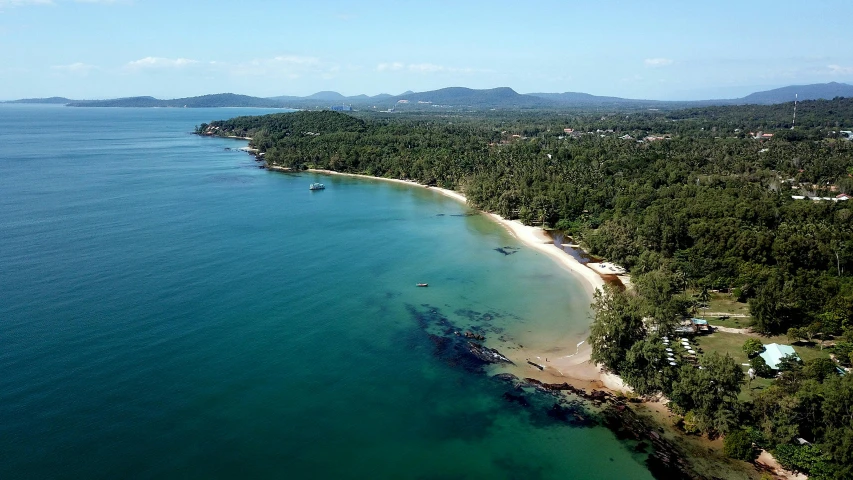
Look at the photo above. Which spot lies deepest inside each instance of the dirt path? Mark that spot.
(768, 460)
(742, 331)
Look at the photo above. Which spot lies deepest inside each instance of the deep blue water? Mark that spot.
(169, 310)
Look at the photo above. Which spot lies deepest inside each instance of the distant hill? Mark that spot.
(459, 97)
(330, 96)
(204, 101)
(575, 97)
(50, 100)
(818, 91)
(465, 97)
(585, 99)
(120, 102)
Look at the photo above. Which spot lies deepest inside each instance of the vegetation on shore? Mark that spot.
(690, 200)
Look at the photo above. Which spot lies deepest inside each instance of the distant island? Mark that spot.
(455, 98)
(49, 100)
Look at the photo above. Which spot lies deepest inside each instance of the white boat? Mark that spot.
(317, 186)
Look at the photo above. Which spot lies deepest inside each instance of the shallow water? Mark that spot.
(170, 310)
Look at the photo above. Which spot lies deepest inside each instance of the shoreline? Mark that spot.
(576, 369)
(575, 366)
(534, 237)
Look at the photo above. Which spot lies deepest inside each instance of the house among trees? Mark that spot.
(700, 325)
(774, 353)
(693, 326)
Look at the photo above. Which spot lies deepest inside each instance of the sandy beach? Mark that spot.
(570, 363)
(533, 237)
(564, 362)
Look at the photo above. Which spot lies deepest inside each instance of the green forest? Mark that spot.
(686, 200)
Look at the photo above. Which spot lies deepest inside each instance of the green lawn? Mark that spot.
(724, 343)
(750, 390)
(724, 302)
(732, 344)
(731, 322)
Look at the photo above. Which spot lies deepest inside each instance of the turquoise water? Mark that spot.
(169, 310)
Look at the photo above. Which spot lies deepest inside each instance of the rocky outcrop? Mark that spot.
(486, 354)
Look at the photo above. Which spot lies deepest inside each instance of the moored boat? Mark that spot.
(423, 284)
(317, 186)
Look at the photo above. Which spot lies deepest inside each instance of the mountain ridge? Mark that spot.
(457, 97)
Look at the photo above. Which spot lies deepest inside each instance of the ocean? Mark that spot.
(170, 310)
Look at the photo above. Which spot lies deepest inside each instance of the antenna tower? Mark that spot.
(794, 121)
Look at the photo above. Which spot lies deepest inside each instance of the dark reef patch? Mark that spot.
(507, 250)
(544, 404)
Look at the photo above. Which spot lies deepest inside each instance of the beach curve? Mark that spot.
(576, 365)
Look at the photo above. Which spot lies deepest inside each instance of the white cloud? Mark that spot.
(427, 68)
(79, 68)
(160, 62)
(658, 62)
(292, 60)
(384, 67)
(839, 70)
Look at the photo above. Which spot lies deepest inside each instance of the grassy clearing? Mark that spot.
(749, 390)
(724, 302)
(732, 344)
(724, 343)
(731, 322)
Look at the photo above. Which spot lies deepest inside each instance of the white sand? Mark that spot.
(536, 238)
(533, 237)
(575, 365)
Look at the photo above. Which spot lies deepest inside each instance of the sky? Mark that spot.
(667, 50)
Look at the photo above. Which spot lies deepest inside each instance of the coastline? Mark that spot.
(576, 370)
(575, 365)
(534, 237)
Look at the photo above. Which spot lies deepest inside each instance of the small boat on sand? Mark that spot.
(317, 186)
(423, 284)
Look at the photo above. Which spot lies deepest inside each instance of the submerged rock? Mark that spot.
(475, 336)
(486, 354)
(515, 398)
(506, 377)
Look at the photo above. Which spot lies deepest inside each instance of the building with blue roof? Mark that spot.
(774, 353)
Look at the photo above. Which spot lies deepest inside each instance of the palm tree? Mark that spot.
(704, 298)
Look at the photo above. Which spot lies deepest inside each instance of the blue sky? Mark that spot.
(661, 50)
